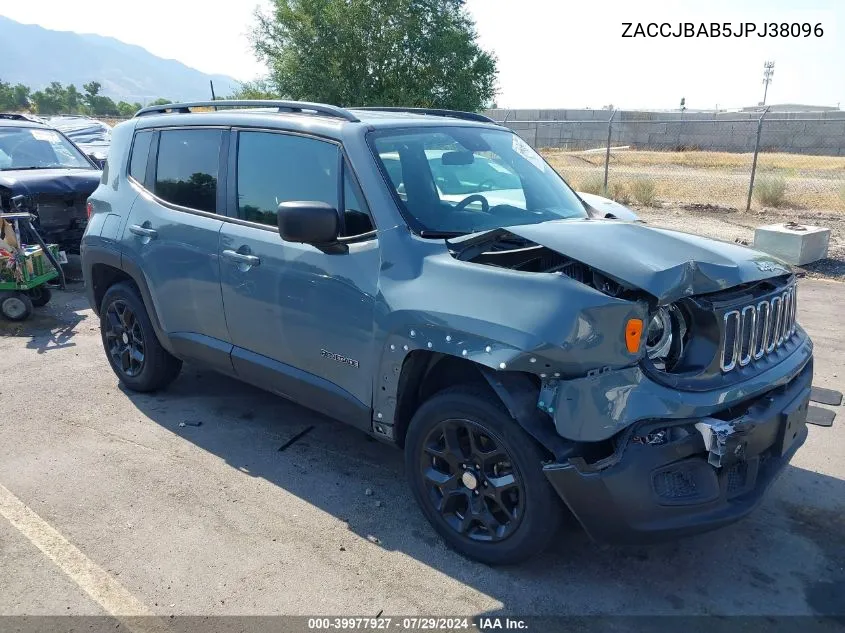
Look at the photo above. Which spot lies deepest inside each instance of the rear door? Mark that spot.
(301, 319)
(172, 235)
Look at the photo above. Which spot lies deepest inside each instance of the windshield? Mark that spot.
(463, 180)
(38, 148)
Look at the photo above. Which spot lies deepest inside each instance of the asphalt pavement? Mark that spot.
(182, 503)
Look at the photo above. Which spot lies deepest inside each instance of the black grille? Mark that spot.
(737, 477)
(675, 484)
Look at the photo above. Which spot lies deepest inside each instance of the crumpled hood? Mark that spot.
(50, 181)
(666, 264)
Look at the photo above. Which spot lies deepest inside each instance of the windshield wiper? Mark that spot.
(442, 234)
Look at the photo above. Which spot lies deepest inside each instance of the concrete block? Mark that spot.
(795, 244)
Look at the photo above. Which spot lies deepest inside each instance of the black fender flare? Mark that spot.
(519, 395)
(506, 368)
(92, 256)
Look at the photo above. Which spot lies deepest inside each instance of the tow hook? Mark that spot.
(717, 436)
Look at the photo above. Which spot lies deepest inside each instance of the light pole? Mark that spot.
(768, 71)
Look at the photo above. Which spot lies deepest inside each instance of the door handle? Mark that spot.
(240, 258)
(142, 231)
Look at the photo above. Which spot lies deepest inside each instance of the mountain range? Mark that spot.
(35, 56)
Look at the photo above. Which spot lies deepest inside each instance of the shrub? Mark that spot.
(770, 191)
(619, 192)
(644, 191)
(594, 183)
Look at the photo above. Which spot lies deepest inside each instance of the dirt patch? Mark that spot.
(704, 178)
(729, 225)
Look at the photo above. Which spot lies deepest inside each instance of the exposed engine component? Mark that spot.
(573, 270)
(511, 251)
(659, 437)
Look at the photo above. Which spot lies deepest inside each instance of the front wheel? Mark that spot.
(15, 306)
(478, 477)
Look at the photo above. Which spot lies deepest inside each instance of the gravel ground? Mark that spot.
(213, 519)
(730, 225)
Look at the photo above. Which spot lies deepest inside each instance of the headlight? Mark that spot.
(665, 337)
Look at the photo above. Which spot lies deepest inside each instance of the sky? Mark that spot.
(551, 53)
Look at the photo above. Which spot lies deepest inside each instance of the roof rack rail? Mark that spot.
(455, 114)
(281, 106)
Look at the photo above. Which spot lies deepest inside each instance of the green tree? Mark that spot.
(92, 93)
(128, 109)
(51, 100)
(161, 102)
(96, 103)
(421, 53)
(73, 100)
(13, 98)
(5, 95)
(260, 89)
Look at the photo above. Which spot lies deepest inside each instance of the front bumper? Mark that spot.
(650, 492)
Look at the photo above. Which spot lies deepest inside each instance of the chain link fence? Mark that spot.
(744, 161)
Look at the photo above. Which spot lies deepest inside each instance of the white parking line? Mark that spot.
(91, 578)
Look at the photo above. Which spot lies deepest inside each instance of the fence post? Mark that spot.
(754, 162)
(607, 153)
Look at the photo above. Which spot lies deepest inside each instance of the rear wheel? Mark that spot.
(15, 306)
(478, 477)
(130, 341)
(40, 296)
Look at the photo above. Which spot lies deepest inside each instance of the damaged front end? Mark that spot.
(665, 479)
(57, 198)
(689, 433)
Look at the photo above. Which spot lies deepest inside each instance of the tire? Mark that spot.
(130, 342)
(40, 296)
(15, 306)
(526, 512)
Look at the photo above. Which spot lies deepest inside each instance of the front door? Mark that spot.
(301, 319)
(172, 236)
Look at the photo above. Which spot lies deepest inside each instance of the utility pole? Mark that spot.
(768, 71)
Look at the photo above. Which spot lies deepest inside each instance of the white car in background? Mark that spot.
(606, 206)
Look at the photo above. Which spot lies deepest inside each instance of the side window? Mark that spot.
(275, 168)
(140, 152)
(357, 220)
(186, 170)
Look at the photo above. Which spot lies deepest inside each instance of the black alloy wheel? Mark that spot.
(471, 480)
(478, 477)
(124, 338)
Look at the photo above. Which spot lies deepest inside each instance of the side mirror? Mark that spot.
(99, 159)
(308, 222)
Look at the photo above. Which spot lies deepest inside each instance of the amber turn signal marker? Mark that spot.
(633, 334)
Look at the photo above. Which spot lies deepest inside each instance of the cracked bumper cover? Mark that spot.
(649, 493)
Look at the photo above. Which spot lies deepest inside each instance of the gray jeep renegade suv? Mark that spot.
(425, 276)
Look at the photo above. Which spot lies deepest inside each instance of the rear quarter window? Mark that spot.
(139, 156)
